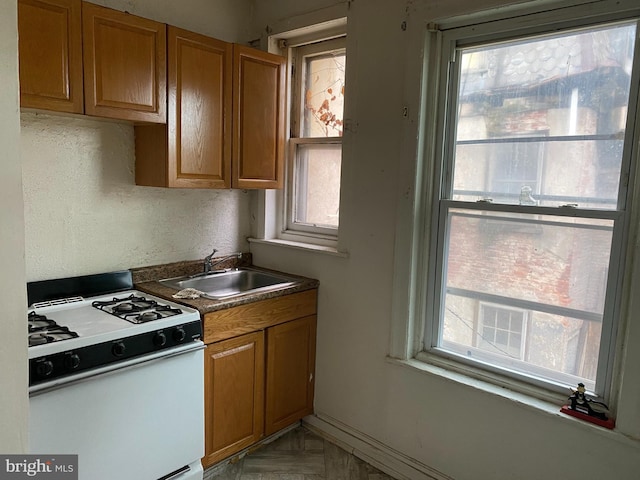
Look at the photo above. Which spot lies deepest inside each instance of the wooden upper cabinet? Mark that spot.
(199, 110)
(124, 65)
(258, 118)
(50, 50)
(194, 149)
(225, 122)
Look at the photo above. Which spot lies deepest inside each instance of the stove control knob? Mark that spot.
(159, 339)
(71, 361)
(44, 368)
(179, 334)
(118, 349)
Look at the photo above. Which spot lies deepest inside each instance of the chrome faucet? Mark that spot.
(209, 265)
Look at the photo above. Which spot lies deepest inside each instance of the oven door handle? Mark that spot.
(115, 367)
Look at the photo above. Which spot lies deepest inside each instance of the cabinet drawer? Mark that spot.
(260, 315)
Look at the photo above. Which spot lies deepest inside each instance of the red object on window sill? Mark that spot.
(609, 423)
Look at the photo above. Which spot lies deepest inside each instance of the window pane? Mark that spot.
(317, 184)
(507, 337)
(542, 121)
(324, 95)
(554, 268)
(525, 174)
(551, 260)
(556, 348)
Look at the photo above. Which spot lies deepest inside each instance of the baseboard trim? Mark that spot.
(366, 448)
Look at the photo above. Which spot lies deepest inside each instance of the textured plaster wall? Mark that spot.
(453, 428)
(84, 213)
(13, 350)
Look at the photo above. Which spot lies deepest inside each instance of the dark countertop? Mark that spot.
(146, 280)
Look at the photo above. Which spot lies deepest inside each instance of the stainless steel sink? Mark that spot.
(226, 284)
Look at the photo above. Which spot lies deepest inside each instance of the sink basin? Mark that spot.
(229, 283)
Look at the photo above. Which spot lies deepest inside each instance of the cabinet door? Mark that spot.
(50, 44)
(199, 110)
(124, 65)
(290, 372)
(234, 395)
(258, 118)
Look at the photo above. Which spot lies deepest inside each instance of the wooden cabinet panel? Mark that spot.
(290, 372)
(200, 105)
(225, 125)
(258, 118)
(250, 392)
(260, 315)
(194, 149)
(50, 46)
(234, 395)
(124, 65)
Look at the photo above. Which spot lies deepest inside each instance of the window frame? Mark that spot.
(290, 229)
(438, 100)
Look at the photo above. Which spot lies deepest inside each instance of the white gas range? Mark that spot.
(116, 378)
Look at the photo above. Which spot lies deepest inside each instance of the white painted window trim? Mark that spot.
(414, 249)
(271, 221)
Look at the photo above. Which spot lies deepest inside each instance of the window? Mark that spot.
(312, 206)
(501, 330)
(530, 217)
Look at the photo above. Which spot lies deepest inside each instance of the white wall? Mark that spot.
(460, 431)
(223, 19)
(13, 350)
(84, 213)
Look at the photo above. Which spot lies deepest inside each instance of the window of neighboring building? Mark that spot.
(312, 206)
(532, 205)
(501, 330)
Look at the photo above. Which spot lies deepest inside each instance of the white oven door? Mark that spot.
(140, 420)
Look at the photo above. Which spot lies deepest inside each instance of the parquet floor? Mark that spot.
(297, 455)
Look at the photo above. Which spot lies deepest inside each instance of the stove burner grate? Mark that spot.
(125, 305)
(51, 334)
(136, 309)
(44, 330)
(38, 322)
(161, 311)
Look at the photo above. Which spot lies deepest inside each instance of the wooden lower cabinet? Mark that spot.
(259, 382)
(234, 395)
(291, 357)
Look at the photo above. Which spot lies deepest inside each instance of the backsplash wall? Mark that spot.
(84, 214)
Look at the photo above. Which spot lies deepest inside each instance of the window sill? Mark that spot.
(300, 246)
(544, 407)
